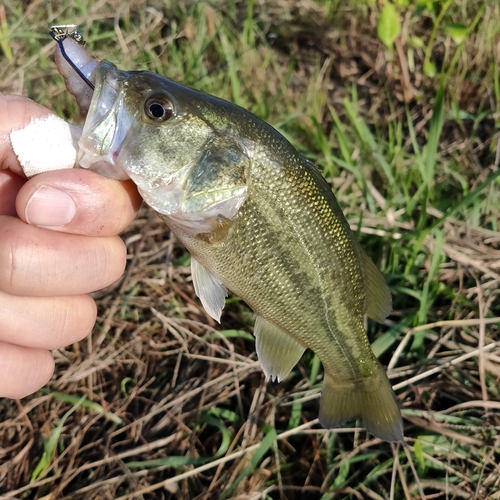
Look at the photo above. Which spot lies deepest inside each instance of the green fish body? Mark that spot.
(259, 220)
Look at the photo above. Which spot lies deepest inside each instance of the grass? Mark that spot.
(158, 402)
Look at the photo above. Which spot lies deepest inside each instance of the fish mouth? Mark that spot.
(106, 126)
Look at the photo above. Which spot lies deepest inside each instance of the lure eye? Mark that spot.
(158, 109)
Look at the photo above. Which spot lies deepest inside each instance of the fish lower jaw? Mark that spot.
(101, 165)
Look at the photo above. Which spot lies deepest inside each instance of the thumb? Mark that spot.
(10, 184)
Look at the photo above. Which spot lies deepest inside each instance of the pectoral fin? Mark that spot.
(375, 403)
(209, 289)
(278, 353)
(378, 296)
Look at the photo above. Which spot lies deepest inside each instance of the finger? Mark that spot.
(23, 370)
(46, 322)
(10, 184)
(42, 263)
(78, 201)
(19, 111)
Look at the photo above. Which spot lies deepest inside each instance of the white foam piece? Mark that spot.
(46, 144)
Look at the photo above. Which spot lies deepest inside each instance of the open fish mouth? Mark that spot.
(106, 126)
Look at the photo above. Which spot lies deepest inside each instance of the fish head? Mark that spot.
(173, 146)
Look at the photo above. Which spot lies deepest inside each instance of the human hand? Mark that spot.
(58, 243)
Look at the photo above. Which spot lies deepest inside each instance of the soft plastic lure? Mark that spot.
(74, 63)
(59, 34)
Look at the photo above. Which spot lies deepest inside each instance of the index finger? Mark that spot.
(15, 113)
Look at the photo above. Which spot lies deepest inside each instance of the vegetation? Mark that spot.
(399, 103)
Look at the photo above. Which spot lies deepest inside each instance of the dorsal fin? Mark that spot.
(378, 296)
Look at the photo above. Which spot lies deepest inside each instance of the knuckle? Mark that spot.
(18, 256)
(73, 319)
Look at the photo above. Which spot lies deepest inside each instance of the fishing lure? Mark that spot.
(59, 34)
(74, 63)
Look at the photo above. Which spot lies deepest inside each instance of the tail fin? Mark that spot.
(372, 399)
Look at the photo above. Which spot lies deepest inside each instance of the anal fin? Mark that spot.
(277, 351)
(209, 289)
(371, 400)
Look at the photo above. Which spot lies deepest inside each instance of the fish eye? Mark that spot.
(158, 109)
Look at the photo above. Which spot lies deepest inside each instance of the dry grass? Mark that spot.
(161, 403)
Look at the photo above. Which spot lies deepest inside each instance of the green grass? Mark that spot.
(188, 413)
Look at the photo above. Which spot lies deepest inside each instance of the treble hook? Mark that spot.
(59, 34)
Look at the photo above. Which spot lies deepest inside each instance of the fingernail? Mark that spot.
(50, 207)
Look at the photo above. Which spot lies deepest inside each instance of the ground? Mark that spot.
(163, 403)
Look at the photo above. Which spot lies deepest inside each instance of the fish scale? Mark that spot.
(306, 289)
(275, 250)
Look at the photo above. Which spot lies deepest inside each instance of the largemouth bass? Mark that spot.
(259, 220)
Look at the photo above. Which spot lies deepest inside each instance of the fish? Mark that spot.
(258, 219)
